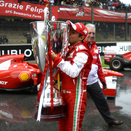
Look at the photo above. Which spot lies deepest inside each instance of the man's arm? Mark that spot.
(72, 68)
(101, 74)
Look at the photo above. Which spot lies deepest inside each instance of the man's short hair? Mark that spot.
(90, 25)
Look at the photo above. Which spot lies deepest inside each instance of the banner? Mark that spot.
(21, 9)
(74, 13)
(84, 13)
(36, 11)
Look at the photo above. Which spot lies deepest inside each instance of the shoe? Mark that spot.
(115, 123)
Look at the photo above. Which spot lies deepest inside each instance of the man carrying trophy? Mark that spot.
(74, 69)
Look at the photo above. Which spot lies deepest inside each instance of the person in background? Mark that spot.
(106, 32)
(93, 87)
(1, 39)
(63, 2)
(74, 73)
(122, 31)
(28, 37)
(79, 3)
(5, 40)
(69, 2)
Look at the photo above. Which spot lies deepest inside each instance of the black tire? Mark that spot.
(116, 64)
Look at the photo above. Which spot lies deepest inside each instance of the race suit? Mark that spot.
(74, 72)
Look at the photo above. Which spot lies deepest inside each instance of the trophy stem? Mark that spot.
(41, 103)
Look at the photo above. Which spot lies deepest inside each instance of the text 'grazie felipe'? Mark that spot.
(28, 7)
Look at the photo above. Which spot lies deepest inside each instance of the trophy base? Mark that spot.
(58, 113)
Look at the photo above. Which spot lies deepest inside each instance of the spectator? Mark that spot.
(28, 37)
(118, 31)
(79, 3)
(100, 6)
(5, 40)
(1, 39)
(122, 31)
(106, 32)
(68, 2)
(62, 2)
(74, 3)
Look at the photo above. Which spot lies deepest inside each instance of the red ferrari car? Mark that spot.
(16, 75)
(116, 61)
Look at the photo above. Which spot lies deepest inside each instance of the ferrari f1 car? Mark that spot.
(117, 62)
(111, 81)
(15, 74)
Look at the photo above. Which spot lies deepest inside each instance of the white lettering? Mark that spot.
(101, 49)
(21, 7)
(108, 55)
(28, 52)
(34, 9)
(3, 82)
(8, 52)
(14, 52)
(1, 3)
(8, 11)
(14, 6)
(11, 5)
(125, 48)
(23, 14)
(36, 16)
(80, 13)
(3, 52)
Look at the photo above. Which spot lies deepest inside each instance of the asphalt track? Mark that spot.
(17, 111)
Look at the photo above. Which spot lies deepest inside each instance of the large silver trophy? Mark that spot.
(47, 34)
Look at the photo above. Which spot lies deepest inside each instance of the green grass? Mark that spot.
(103, 64)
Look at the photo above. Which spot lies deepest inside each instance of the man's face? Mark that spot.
(91, 34)
(73, 37)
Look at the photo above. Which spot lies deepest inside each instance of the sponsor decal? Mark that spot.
(96, 51)
(3, 82)
(80, 13)
(95, 57)
(27, 52)
(123, 47)
(108, 55)
(101, 49)
(18, 49)
(24, 76)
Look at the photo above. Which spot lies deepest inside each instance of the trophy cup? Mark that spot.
(49, 35)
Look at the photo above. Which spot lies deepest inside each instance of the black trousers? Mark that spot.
(98, 97)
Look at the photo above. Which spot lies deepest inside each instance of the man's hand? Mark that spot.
(53, 55)
(105, 87)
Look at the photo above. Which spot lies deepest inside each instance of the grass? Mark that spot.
(103, 64)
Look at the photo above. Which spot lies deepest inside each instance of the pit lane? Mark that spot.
(17, 110)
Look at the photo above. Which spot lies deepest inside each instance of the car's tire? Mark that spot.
(116, 63)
